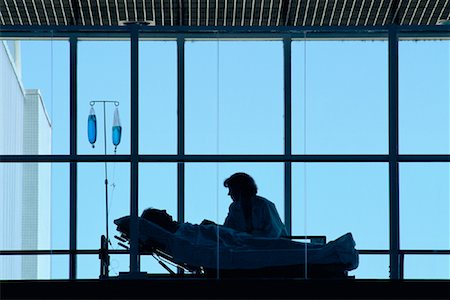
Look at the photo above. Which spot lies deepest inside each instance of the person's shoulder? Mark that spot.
(234, 205)
(263, 200)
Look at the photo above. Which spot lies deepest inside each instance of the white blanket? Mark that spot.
(212, 246)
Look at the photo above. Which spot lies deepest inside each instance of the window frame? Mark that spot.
(134, 32)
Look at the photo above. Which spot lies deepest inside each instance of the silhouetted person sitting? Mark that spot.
(249, 212)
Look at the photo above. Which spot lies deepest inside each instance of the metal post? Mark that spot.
(73, 164)
(134, 244)
(287, 42)
(180, 150)
(106, 193)
(394, 215)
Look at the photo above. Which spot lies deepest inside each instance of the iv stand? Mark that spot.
(104, 256)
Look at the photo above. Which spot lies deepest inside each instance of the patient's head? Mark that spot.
(161, 218)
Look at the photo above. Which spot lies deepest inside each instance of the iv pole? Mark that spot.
(104, 256)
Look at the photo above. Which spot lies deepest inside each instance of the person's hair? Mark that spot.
(160, 218)
(242, 183)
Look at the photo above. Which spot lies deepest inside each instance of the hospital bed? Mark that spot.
(194, 250)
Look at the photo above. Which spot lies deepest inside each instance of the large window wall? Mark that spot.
(345, 131)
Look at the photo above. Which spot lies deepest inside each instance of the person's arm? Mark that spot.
(207, 222)
(230, 220)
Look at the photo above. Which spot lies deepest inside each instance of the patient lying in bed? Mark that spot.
(213, 246)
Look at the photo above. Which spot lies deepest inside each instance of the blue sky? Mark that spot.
(234, 104)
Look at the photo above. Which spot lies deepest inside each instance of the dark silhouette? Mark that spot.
(161, 218)
(249, 212)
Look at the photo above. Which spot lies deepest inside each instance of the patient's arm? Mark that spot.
(207, 222)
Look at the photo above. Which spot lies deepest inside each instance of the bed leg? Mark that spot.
(104, 258)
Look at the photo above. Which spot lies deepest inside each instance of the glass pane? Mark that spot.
(372, 267)
(424, 94)
(88, 266)
(60, 267)
(340, 97)
(425, 206)
(103, 75)
(158, 97)
(150, 265)
(10, 267)
(332, 199)
(234, 97)
(25, 267)
(34, 203)
(427, 267)
(119, 263)
(34, 208)
(207, 198)
(11, 201)
(91, 207)
(158, 187)
(34, 96)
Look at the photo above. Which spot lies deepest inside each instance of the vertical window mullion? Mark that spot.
(287, 46)
(181, 131)
(73, 163)
(134, 209)
(394, 215)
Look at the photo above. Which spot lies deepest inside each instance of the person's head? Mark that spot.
(161, 218)
(241, 186)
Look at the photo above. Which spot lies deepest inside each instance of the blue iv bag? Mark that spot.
(92, 127)
(116, 134)
(116, 128)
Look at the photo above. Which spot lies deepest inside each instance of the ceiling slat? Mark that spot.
(2, 19)
(261, 10)
(53, 12)
(423, 12)
(405, 12)
(414, 12)
(315, 5)
(199, 13)
(342, 13)
(36, 13)
(63, 10)
(17, 12)
(441, 14)
(358, 18)
(27, 13)
(244, 9)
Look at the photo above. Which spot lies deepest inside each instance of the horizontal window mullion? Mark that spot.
(58, 252)
(404, 252)
(264, 158)
(63, 158)
(118, 251)
(211, 31)
(65, 252)
(424, 158)
(223, 158)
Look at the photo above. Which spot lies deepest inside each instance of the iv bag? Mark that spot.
(116, 128)
(92, 127)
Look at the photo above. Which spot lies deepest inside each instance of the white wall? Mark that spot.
(11, 142)
(25, 189)
(36, 212)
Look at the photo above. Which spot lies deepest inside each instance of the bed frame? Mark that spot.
(311, 271)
